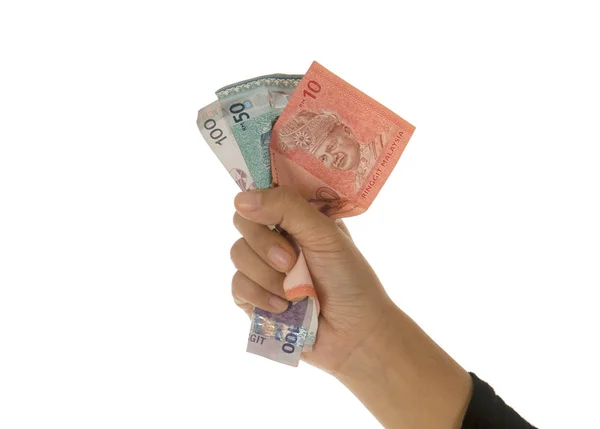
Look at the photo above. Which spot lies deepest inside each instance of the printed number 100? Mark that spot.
(290, 340)
(215, 133)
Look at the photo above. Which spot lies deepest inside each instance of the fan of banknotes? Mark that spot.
(320, 135)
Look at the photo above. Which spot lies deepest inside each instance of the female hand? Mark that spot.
(404, 378)
(353, 302)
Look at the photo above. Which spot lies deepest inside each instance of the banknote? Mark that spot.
(219, 137)
(336, 145)
(250, 107)
(282, 336)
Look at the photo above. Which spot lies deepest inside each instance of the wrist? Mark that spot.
(377, 350)
(404, 378)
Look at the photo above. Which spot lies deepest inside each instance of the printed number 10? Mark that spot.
(314, 88)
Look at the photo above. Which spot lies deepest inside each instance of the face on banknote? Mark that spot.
(335, 144)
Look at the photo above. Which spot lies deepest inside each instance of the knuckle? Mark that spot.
(288, 195)
(289, 200)
(236, 284)
(239, 223)
(237, 250)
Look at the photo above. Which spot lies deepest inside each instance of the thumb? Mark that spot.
(282, 206)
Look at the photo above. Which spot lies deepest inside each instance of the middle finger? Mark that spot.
(252, 266)
(272, 247)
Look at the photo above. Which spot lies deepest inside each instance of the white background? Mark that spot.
(115, 307)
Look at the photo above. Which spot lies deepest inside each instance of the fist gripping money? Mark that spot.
(353, 302)
(364, 339)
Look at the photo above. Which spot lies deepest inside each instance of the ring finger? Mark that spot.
(244, 290)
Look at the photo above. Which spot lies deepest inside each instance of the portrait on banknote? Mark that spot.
(326, 137)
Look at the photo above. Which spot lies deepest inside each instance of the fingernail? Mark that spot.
(279, 303)
(247, 201)
(279, 257)
(238, 301)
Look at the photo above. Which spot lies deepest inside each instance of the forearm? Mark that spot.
(405, 379)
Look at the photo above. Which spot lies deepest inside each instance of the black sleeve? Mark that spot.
(488, 411)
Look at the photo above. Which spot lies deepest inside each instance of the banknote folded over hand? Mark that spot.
(325, 138)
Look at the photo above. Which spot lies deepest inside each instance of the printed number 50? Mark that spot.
(238, 108)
